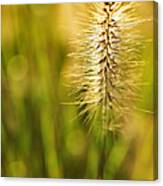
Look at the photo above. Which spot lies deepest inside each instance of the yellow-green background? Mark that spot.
(40, 137)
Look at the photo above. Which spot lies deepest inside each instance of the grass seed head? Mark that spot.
(107, 72)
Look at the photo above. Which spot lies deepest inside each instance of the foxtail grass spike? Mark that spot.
(107, 70)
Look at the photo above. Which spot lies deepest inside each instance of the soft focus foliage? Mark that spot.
(41, 136)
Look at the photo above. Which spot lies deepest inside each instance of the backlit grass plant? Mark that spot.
(106, 77)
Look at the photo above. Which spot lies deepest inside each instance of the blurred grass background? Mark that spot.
(40, 138)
